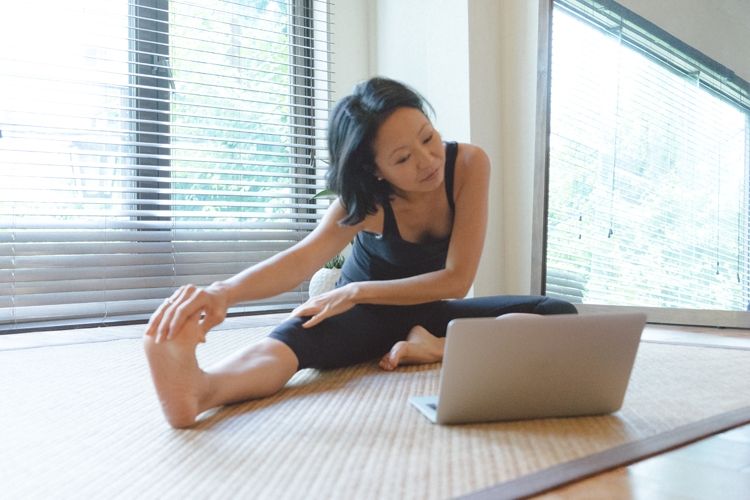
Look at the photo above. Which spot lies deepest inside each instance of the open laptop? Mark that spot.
(526, 366)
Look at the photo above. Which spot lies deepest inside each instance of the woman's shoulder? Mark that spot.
(471, 162)
(470, 154)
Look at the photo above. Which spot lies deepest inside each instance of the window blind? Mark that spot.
(147, 144)
(648, 166)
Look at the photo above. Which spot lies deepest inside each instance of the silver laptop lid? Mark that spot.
(527, 366)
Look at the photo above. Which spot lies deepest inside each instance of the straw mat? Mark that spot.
(82, 421)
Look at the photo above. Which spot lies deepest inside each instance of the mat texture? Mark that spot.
(82, 421)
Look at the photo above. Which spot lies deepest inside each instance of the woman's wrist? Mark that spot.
(225, 291)
(362, 292)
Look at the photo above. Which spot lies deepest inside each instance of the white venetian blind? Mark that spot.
(147, 144)
(648, 168)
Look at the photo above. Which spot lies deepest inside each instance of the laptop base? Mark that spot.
(427, 405)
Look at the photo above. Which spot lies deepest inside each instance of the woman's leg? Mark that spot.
(492, 307)
(363, 333)
(184, 390)
(426, 342)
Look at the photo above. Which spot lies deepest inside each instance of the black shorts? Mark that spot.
(366, 332)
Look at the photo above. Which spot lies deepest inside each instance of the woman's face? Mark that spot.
(409, 152)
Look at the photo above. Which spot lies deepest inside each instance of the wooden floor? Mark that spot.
(715, 468)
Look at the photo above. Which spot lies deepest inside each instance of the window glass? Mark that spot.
(148, 144)
(647, 178)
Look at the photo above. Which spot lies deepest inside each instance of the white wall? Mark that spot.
(718, 28)
(351, 40)
(424, 43)
(476, 62)
(486, 111)
(504, 68)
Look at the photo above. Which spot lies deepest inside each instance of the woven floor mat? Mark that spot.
(82, 421)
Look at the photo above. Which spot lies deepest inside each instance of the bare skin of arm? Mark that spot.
(274, 276)
(263, 368)
(464, 252)
(290, 268)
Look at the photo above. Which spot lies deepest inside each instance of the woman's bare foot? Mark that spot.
(420, 347)
(179, 381)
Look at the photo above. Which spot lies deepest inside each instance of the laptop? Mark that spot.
(520, 366)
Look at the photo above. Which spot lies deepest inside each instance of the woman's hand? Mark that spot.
(326, 305)
(169, 318)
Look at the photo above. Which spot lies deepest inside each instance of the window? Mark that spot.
(648, 167)
(147, 144)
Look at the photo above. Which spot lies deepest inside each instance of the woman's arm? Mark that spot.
(291, 267)
(464, 251)
(271, 277)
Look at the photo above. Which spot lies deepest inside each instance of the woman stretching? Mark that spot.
(416, 209)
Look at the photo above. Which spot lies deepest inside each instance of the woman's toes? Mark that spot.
(391, 360)
(385, 362)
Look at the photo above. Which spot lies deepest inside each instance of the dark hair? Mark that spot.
(352, 128)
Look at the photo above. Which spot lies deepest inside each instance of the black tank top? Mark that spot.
(389, 257)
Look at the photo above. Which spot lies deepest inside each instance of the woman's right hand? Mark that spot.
(171, 315)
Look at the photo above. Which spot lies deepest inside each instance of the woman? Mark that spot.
(416, 209)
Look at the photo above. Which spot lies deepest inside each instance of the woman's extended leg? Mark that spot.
(185, 390)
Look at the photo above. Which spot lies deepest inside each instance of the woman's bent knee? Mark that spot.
(549, 305)
(285, 356)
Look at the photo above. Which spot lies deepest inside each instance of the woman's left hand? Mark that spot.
(325, 305)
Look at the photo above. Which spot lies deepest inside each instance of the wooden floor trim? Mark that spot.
(591, 465)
